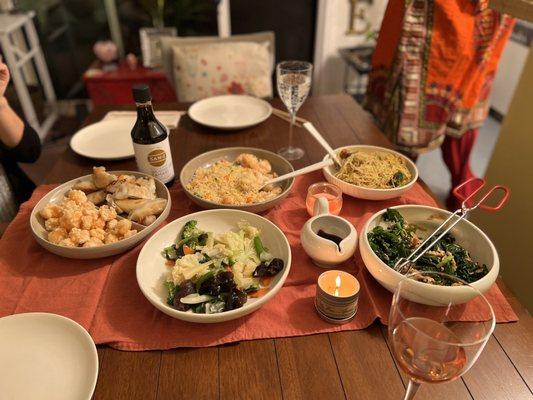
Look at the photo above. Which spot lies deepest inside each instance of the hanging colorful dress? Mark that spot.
(433, 69)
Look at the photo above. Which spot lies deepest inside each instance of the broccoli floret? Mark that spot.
(191, 236)
(171, 253)
(190, 230)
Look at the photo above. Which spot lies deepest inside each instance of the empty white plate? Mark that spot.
(46, 356)
(230, 111)
(105, 140)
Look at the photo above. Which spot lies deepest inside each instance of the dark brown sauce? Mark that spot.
(329, 236)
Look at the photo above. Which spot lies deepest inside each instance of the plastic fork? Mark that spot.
(403, 265)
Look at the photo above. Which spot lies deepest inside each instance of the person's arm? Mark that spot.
(11, 126)
(19, 141)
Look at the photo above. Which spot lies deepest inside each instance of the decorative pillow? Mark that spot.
(205, 70)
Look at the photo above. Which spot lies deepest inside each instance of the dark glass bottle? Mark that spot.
(150, 139)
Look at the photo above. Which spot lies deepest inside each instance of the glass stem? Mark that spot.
(291, 126)
(410, 392)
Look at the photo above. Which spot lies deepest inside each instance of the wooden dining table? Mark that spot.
(350, 364)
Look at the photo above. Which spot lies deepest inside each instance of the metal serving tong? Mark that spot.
(403, 265)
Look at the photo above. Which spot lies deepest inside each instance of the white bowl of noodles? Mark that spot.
(373, 173)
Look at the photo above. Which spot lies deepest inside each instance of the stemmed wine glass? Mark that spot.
(294, 82)
(426, 342)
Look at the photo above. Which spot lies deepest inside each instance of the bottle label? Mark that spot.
(155, 159)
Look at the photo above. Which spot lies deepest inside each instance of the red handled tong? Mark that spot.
(403, 264)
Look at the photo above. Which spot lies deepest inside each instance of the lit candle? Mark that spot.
(337, 285)
(337, 296)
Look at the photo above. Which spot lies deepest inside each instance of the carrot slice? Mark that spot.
(259, 293)
(266, 281)
(187, 250)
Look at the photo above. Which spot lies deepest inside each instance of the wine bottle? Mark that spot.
(150, 139)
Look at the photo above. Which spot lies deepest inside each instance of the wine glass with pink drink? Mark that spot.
(427, 342)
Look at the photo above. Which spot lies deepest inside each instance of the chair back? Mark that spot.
(187, 48)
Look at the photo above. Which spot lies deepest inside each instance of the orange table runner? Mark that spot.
(102, 295)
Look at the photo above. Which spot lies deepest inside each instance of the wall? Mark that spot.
(511, 229)
(292, 21)
(513, 59)
(332, 23)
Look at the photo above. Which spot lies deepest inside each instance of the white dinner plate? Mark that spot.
(46, 357)
(152, 271)
(105, 140)
(230, 111)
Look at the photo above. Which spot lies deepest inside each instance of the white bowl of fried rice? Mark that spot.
(372, 172)
(230, 178)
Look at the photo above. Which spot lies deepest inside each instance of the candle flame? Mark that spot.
(337, 285)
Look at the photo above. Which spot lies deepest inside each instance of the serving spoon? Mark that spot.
(298, 172)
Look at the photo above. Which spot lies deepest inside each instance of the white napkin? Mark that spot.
(170, 119)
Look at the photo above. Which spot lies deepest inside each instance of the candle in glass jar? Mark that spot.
(337, 296)
(338, 283)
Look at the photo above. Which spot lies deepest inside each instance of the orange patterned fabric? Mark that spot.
(433, 68)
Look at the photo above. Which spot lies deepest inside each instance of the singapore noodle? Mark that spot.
(373, 169)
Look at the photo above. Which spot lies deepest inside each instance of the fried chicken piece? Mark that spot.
(77, 196)
(123, 226)
(57, 235)
(110, 238)
(67, 242)
(51, 223)
(71, 218)
(79, 236)
(51, 211)
(130, 233)
(107, 213)
(98, 233)
(93, 242)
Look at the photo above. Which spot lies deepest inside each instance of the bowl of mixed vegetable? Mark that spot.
(214, 266)
(465, 252)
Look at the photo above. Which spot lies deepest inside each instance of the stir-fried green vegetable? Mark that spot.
(398, 179)
(398, 239)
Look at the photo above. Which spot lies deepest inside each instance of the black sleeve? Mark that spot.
(28, 150)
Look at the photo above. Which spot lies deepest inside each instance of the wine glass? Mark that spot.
(294, 83)
(427, 341)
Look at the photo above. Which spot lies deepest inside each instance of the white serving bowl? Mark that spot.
(40, 233)
(466, 234)
(205, 160)
(152, 270)
(368, 193)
